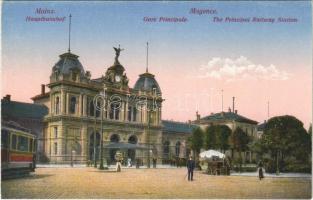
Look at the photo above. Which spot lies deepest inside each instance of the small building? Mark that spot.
(27, 115)
(175, 135)
(232, 120)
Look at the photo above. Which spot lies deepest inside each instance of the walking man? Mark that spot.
(190, 167)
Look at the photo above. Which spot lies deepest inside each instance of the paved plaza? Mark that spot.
(149, 183)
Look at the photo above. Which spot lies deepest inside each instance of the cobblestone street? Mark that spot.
(149, 183)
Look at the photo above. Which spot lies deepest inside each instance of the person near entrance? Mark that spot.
(260, 169)
(154, 161)
(190, 167)
(119, 159)
(129, 162)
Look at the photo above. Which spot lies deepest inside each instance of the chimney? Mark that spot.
(236, 111)
(7, 97)
(233, 104)
(198, 116)
(42, 88)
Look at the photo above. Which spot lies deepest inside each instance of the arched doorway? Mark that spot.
(91, 146)
(115, 138)
(131, 153)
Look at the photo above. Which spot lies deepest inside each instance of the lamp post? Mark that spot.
(148, 138)
(101, 124)
(94, 140)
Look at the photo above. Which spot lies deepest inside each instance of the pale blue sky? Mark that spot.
(30, 49)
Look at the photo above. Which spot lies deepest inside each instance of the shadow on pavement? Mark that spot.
(105, 171)
(38, 176)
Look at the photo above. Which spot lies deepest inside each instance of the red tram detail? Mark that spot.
(17, 150)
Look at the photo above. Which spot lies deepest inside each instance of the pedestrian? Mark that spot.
(260, 165)
(129, 162)
(190, 167)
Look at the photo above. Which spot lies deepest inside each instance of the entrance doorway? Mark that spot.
(92, 151)
(115, 138)
(131, 153)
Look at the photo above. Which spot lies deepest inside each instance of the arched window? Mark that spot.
(73, 105)
(166, 149)
(114, 138)
(57, 105)
(98, 109)
(114, 111)
(134, 113)
(177, 149)
(133, 139)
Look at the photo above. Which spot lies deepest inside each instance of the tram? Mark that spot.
(18, 150)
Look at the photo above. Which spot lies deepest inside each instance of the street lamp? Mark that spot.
(148, 138)
(101, 139)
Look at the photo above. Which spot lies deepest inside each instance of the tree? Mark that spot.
(216, 137)
(210, 137)
(223, 133)
(196, 141)
(240, 141)
(285, 136)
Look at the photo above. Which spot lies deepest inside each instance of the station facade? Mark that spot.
(81, 107)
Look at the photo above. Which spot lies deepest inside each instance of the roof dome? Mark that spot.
(68, 62)
(147, 82)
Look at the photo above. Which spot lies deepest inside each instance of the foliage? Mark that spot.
(196, 140)
(216, 137)
(240, 141)
(222, 137)
(210, 137)
(285, 136)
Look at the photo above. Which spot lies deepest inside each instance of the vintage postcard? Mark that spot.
(156, 99)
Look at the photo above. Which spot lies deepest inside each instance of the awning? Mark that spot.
(211, 154)
(120, 145)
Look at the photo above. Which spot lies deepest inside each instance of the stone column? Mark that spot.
(62, 102)
(85, 105)
(67, 103)
(80, 105)
(59, 141)
(51, 103)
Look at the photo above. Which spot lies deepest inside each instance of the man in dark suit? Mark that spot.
(190, 167)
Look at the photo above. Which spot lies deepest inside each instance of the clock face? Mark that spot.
(117, 78)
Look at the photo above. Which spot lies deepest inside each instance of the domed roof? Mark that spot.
(67, 62)
(147, 82)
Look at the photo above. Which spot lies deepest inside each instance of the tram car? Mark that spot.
(18, 150)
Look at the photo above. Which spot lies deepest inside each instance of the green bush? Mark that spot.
(269, 165)
(301, 168)
(245, 169)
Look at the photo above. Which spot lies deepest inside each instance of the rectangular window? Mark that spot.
(55, 148)
(134, 113)
(129, 115)
(31, 145)
(14, 141)
(55, 130)
(22, 143)
(4, 139)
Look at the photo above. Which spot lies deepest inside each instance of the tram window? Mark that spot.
(22, 143)
(14, 141)
(4, 139)
(31, 145)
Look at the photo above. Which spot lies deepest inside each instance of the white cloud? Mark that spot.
(241, 69)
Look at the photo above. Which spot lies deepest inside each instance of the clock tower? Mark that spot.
(115, 75)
